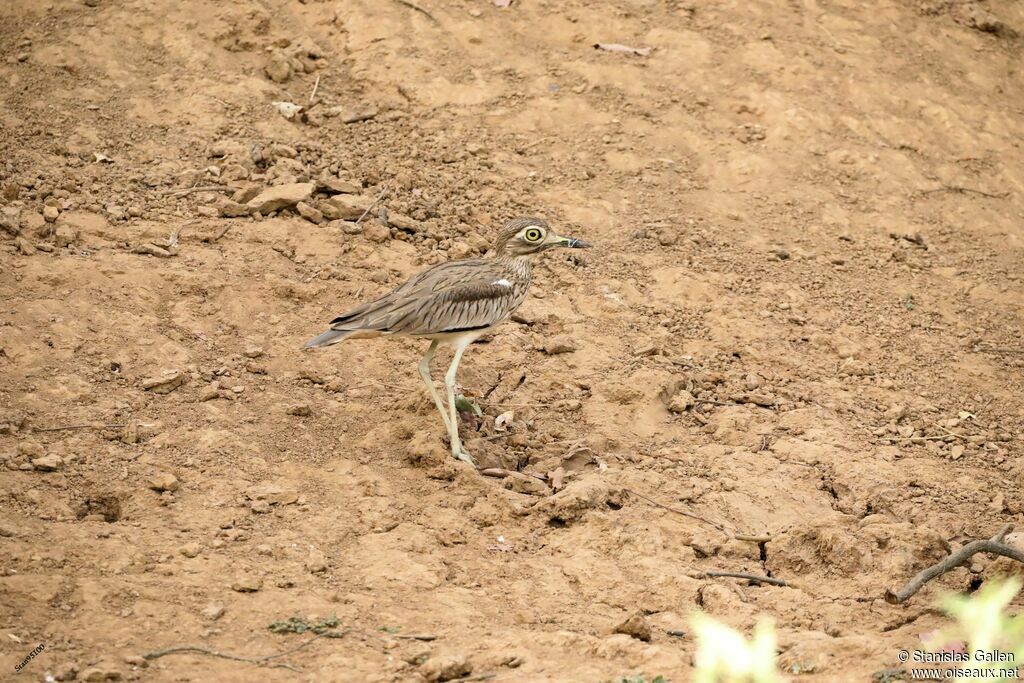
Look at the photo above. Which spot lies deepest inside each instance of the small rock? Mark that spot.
(559, 344)
(213, 611)
(50, 213)
(335, 185)
(66, 672)
(310, 213)
(279, 68)
(350, 207)
(403, 222)
(247, 583)
(152, 250)
(30, 449)
(316, 562)
(446, 668)
(64, 235)
(259, 507)
(375, 232)
(281, 197)
(635, 626)
(229, 208)
(190, 549)
(163, 481)
(48, 463)
(245, 194)
(252, 352)
(956, 452)
(299, 409)
(101, 673)
(164, 384)
(681, 402)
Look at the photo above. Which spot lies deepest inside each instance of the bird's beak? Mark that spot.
(572, 243)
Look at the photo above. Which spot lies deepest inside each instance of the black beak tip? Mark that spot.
(578, 244)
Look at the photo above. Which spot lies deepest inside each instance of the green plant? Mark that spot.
(724, 655)
(300, 624)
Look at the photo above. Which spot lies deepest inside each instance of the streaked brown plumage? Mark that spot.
(454, 303)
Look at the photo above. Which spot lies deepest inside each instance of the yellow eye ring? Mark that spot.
(533, 235)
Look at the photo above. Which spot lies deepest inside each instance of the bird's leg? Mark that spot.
(453, 414)
(429, 381)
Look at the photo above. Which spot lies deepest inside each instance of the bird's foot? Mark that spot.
(462, 455)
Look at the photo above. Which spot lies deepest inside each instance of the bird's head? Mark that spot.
(527, 236)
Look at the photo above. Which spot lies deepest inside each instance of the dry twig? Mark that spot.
(412, 5)
(965, 190)
(191, 649)
(376, 201)
(67, 427)
(678, 511)
(200, 188)
(749, 577)
(992, 545)
(316, 85)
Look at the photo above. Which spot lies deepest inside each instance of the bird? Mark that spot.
(453, 303)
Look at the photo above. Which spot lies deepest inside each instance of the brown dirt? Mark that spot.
(811, 210)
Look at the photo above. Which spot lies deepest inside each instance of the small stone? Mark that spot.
(316, 562)
(211, 392)
(100, 673)
(299, 409)
(48, 463)
(163, 481)
(252, 352)
(752, 381)
(213, 611)
(229, 208)
(164, 384)
(247, 583)
(30, 449)
(190, 549)
(67, 671)
(335, 185)
(64, 235)
(681, 402)
(310, 213)
(635, 626)
(350, 207)
(956, 452)
(403, 222)
(281, 197)
(559, 344)
(260, 507)
(446, 668)
(50, 213)
(279, 68)
(375, 232)
(137, 661)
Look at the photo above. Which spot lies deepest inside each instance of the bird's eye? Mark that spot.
(533, 235)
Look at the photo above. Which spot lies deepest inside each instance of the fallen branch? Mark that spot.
(67, 427)
(426, 638)
(191, 649)
(200, 188)
(412, 5)
(375, 203)
(965, 190)
(750, 577)
(992, 545)
(679, 512)
(500, 473)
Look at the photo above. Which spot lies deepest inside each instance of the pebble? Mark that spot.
(279, 68)
(446, 668)
(309, 212)
(299, 409)
(50, 213)
(681, 402)
(247, 583)
(190, 549)
(100, 673)
(253, 352)
(164, 384)
(335, 185)
(163, 481)
(375, 232)
(213, 611)
(316, 562)
(635, 626)
(64, 235)
(281, 197)
(957, 451)
(350, 207)
(30, 449)
(48, 463)
(229, 208)
(559, 344)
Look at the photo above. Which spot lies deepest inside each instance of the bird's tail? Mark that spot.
(329, 337)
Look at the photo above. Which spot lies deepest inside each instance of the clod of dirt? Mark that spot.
(64, 235)
(102, 672)
(104, 506)
(273, 494)
(523, 483)
(213, 611)
(573, 502)
(50, 213)
(560, 344)
(281, 197)
(446, 668)
(681, 402)
(190, 549)
(310, 213)
(316, 562)
(163, 481)
(25, 247)
(164, 384)
(335, 185)
(229, 208)
(374, 231)
(247, 583)
(67, 671)
(48, 463)
(299, 409)
(279, 68)
(636, 626)
(350, 207)
(30, 449)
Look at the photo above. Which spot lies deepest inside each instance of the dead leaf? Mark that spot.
(616, 47)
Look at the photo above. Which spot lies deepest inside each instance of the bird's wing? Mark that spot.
(451, 296)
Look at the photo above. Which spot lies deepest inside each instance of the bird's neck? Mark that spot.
(520, 265)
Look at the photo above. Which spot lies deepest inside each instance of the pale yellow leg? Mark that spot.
(453, 414)
(429, 381)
